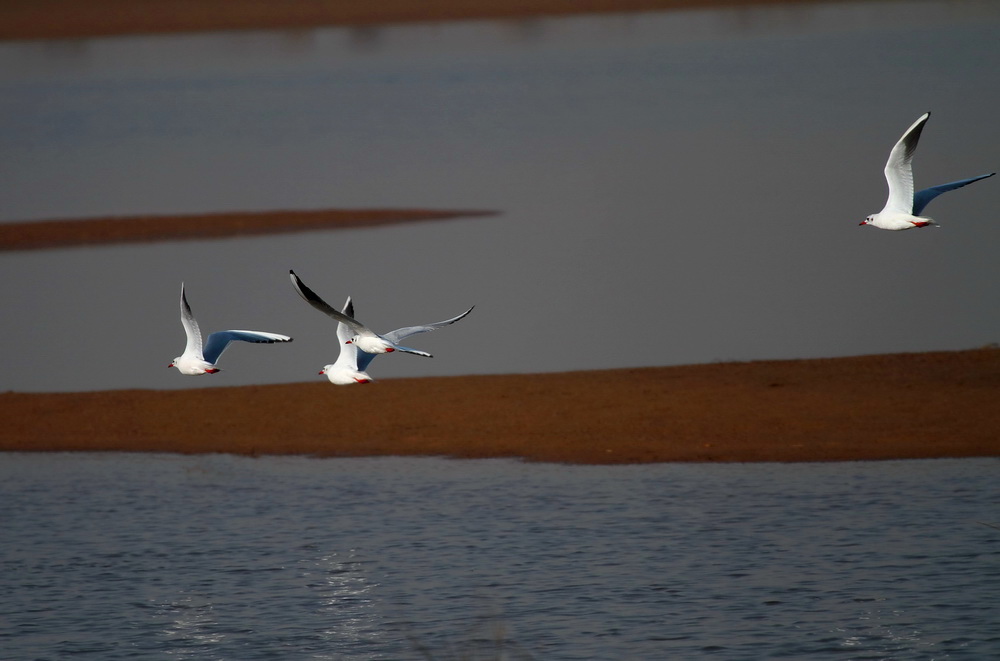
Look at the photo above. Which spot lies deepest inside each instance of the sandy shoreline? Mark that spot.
(65, 19)
(45, 234)
(940, 404)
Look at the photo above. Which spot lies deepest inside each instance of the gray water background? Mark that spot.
(674, 187)
(117, 556)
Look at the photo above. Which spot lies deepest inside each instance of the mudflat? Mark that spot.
(922, 405)
(61, 19)
(58, 233)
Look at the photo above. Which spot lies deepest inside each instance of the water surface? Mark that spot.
(112, 556)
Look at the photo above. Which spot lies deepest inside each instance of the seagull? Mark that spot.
(351, 364)
(345, 370)
(362, 337)
(902, 209)
(193, 361)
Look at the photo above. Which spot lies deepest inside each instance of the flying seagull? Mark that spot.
(902, 209)
(362, 337)
(350, 366)
(194, 361)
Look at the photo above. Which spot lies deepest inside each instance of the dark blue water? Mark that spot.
(114, 556)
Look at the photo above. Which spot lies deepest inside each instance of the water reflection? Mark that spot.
(346, 603)
(365, 38)
(189, 629)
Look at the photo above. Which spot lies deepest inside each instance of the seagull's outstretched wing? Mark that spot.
(343, 330)
(314, 300)
(349, 353)
(191, 329)
(922, 198)
(899, 171)
(402, 333)
(218, 341)
(363, 359)
(395, 336)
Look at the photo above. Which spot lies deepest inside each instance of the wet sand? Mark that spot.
(40, 235)
(942, 404)
(62, 19)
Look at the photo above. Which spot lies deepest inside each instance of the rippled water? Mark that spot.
(111, 556)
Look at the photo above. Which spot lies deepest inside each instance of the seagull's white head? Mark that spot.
(867, 221)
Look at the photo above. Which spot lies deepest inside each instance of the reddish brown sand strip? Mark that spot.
(68, 233)
(58, 19)
(871, 407)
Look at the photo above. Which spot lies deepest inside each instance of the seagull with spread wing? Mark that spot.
(902, 209)
(195, 360)
(365, 342)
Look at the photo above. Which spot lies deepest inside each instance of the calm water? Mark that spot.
(111, 556)
(675, 187)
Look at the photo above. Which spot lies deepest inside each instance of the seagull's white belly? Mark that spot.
(900, 221)
(194, 367)
(373, 344)
(347, 377)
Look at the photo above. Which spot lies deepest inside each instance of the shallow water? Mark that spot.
(675, 187)
(113, 556)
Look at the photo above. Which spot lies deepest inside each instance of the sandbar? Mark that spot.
(65, 19)
(68, 233)
(895, 406)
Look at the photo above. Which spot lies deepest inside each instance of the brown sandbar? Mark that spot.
(39, 235)
(940, 404)
(63, 19)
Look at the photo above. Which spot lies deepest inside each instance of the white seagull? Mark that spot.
(366, 343)
(351, 364)
(902, 209)
(345, 370)
(193, 361)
